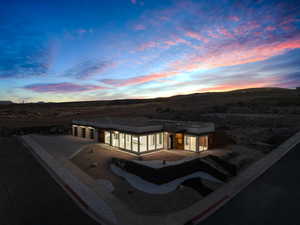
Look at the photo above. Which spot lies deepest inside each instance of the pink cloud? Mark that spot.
(234, 18)
(139, 27)
(287, 20)
(256, 82)
(177, 41)
(234, 54)
(252, 25)
(220, 56)
(150, 44)
(64, 87)
(258, 33)
(196, 36)
(164, 18)
(225, 32)
(245, 28)
(288, 28)
(234, 86)
(81, 31)
(270, 28)
(138, 80)
(155, 44)
(212, 34)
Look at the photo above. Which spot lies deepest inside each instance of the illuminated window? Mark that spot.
(203, 143)
(187, 140)
(143, 143)
(128, 142)
(122, 140)
(159, 140)
(151, 141)
(135, 142)
(107, 137)
(190, 143)
(115, 138)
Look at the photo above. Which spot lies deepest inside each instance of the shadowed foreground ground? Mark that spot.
(28, 195)
(271, 199)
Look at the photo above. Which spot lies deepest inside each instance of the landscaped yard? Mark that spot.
(96, 159)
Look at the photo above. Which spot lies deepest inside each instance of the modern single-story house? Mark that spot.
(140, 135)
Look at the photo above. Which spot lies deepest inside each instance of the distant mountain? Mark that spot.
(6, 102)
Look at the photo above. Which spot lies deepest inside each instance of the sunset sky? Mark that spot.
(72, 50)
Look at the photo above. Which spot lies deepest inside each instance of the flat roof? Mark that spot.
(144, 125)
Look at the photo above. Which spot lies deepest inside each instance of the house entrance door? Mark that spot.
(179, 141)
(170, 142)
(101, 136)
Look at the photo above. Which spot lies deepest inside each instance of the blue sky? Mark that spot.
(95, 50)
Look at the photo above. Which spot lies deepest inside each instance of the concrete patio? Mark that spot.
(61, 146)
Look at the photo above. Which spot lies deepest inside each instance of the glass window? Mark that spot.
(193, 144)
(203, 143)
(135, 141)
(107, 137)
(190, 143)
(187, 140)
(152, 139)
(128, 142)
(151, 142)
(122, 140)
(115, 138)
(143, 143)
(159, 140)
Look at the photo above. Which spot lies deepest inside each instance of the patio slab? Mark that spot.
(61, 146)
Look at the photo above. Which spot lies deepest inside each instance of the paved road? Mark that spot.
(28, 195)
(272, 199)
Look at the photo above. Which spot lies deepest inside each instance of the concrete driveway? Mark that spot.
(62, 146)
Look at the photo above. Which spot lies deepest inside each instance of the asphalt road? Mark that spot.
(272, 199)
(28, 195)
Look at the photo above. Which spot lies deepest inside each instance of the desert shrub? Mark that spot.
(241, 104)
(244, 162)
(163, 110)
(220, 109)
(196, 184)
(230, 168)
